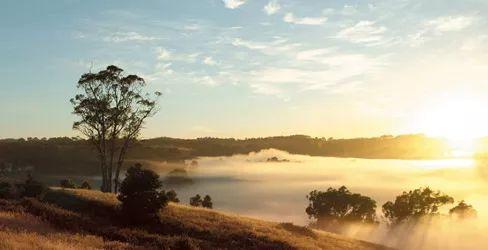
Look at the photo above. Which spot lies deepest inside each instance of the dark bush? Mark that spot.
(33, 188)
(196, 201)
(415, 204)
(5, 190)
(172, 196)
(463, 211)
(335, 207)
(85, 185)
(67, 183)
(207, 202)
(140, 195)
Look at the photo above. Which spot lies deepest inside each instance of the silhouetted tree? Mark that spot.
(207, 202)
(140, 195)
(172, 196)
(33, 188)
(414, 204)
(340, 206)
(196, 201)
(112, 108)
(85, 185)
(463, 211)
(67, 183)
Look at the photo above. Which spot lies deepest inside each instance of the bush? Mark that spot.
(67, 183)
(5, 190)
(340, 206)
(196, 201)
(463, 211)
(415, 204)
(140, 195)
(33, 188)
(207, 202)
(172, 196)
(85, 185)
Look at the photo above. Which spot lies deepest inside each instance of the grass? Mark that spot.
(20, 230)
(182, 225)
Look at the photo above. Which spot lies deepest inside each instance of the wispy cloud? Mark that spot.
(209, 61)
(272, 7)
(166, 55)
(450, 23)
(279, 45)
(119, 37)
(363, 32)
(233, 4)
(291, 18)
(438, 26)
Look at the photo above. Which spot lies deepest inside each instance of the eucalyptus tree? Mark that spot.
(112, 108)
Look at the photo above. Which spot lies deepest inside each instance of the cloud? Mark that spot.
(119, 37)
(279, 45)
(166, 55)
(209, 61)
(272, 7)
(450, 23)
(439, 26)
(363, 32)
(233, 4)
(290, 18)
(334, 69)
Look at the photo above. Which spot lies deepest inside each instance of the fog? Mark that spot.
(252, 186)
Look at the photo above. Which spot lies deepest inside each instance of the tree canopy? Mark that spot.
(414, 204)
(340, 205)
(112, 108)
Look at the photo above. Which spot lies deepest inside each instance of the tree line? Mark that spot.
(334, 208)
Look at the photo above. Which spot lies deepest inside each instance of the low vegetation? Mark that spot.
(86, 214)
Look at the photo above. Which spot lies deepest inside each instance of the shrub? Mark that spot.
(85, 185)
(172, 196)
(340, 206)
(414, 204)
(463, 211)
(5, 190)
(207, 202)
(67, 183)
(33, 188)
(196, 201)
(140, 195)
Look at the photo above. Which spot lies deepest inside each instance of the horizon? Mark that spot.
(238, 68)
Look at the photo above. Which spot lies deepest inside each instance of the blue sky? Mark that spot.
(244, 68)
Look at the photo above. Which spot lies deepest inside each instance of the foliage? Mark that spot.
(33, 188)
(463, 211)
(414, 204)
(5, 190)
(207, 202)
(196, 201)
(76, 154)
(85, 185)
(112, 108)
(172, 196)
(339, 206)
(140, 195)
(67, 183)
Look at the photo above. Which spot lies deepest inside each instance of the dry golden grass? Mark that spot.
(217, 225)
(20, 230)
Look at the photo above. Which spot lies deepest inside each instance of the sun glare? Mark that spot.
(461, 121)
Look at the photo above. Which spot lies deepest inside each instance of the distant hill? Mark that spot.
(75, 156)
(82, 219)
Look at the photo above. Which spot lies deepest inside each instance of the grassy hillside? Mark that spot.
(81, 219)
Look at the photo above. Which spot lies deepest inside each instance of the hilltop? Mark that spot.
(76, 156)
(83, 219)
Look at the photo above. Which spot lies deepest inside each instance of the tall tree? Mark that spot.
(112, 108)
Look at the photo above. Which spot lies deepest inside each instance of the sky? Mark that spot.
(248, 68)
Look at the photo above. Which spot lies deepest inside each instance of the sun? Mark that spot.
(460, 120)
